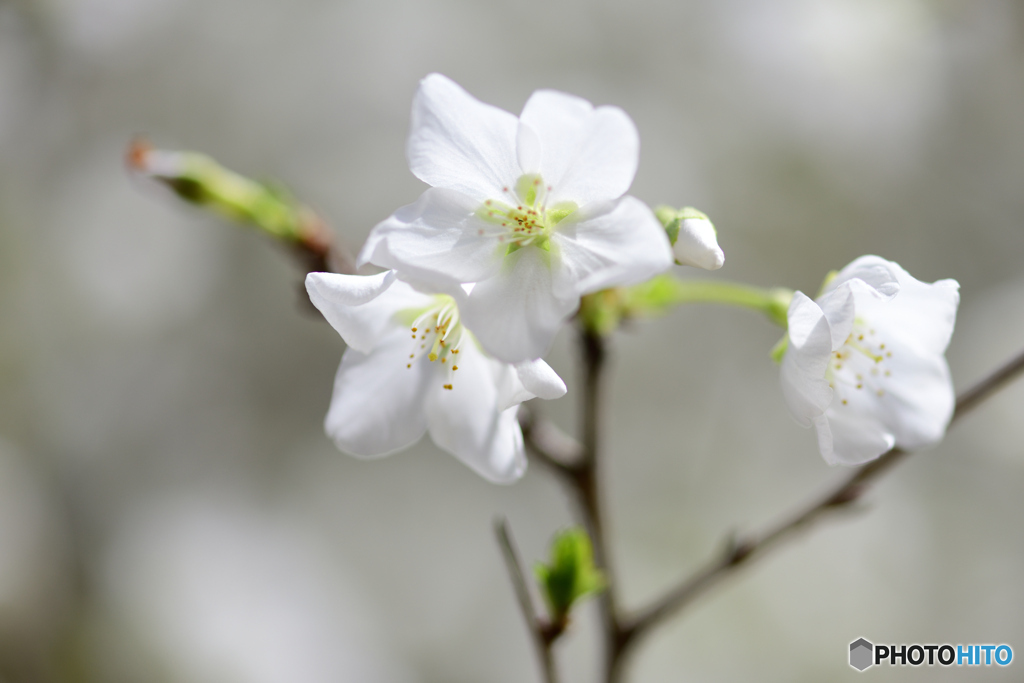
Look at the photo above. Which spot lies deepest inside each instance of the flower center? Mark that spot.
(523, 216)
(859, 369)
(437, 333)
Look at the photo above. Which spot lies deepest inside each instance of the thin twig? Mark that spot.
(988, 386)
(740, 552)
(199, 180)
(542, 633)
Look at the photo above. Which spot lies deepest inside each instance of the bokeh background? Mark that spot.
(170, 509)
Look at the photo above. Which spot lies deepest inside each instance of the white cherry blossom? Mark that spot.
(412, 367)
(533, 210)
(865, 362)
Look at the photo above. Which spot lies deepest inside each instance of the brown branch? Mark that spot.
(576, 464)
(988, 386)
(740, 552)
(548, 444)
(586, 486)
(543, 633)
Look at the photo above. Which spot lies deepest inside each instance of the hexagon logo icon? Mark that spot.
(861, 654)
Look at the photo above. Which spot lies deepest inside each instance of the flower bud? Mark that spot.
(693, 237)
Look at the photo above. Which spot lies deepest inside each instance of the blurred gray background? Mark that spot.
(170, 509)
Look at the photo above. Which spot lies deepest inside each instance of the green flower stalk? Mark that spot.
(604, 311)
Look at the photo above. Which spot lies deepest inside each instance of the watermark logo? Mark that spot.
(861, 654)
(865, 654)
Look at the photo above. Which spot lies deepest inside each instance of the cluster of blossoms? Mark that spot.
(525, 216)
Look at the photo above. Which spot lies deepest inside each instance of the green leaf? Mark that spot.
(570, 575)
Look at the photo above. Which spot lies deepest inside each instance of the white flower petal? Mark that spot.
(874, 271)
(435, 242)
(869, 277)
(468, 422)
(527, 380)
(460, 143)
(540, 380)
(610, 244)
(528, 149)
(378, 403)
(334, 289)
(697, 245)
(840, 310)
(361, 307)
(588, 154)
(516, 314)
(802, 375)
(846, 438)
(918, 402)
(923, 314)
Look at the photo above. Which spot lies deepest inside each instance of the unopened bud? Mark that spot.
(693, 237)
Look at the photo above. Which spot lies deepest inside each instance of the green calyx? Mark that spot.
(778, 351)
(671, 218)
(830, 276)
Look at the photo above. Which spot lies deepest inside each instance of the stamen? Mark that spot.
(442, 322)
(434, 350)
(857, 347)
(860, 364)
